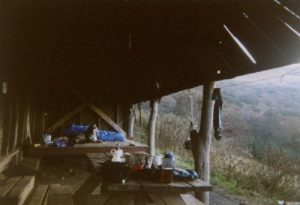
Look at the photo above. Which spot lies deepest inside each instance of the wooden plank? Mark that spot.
(180, 187)
(199, 185)
(16, 125)
(80, 196)
(154, 187)
(59, 194)
(122, 199)
(2, 178)
(2, 117)
(39, 195)
(156, 199)
(173, 199)
(277, 31)
(106, 118)
(7, 185)
(28, 122)
(95, 160)
(264, 51)
(141, 198)
(98, 199)
(31, 163)
(83, 149)
(4, 161)
(280, 12)
(21, 191)
(65, 118)
(190, 199)
(129, 186)
(8, 126)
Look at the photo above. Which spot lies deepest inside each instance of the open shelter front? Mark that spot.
(86, 62)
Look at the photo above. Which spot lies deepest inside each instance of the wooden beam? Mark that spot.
(107, 119)
(152, 125)
(203, 142)
(60, 194)
(28, 123)
(65, 118)
(20, 192)
(4, 161)
(90, 184)
(2, 117)
(16, 126)
(83, 149)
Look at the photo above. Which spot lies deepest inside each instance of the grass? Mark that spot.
(184, 163)
(219, 180)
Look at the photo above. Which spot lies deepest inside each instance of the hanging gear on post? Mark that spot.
(217, 97)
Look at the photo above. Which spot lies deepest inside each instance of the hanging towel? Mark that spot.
(217, 97)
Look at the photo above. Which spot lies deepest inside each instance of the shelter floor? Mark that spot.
(74, 170)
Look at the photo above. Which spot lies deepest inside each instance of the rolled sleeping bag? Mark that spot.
(110, 136)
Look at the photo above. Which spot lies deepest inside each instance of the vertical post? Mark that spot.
(131, 119)
(192, 108)
(28, 123)
(43, 120)
(139, 105)
(203, 142)
(152, 125)
(16, 126)
(99, 123)
(118, 115)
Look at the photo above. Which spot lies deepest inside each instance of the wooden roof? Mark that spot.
(133, 50)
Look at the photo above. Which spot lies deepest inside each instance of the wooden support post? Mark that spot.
(9, 126)
(43, 121)
(131, 119)
(192, 109)
(140, 113)
(99, 122)
(16, 126)
(28, 123)
(203, 142)
(152, 125)
(118, 115)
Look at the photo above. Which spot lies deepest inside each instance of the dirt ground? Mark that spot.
(220, 198)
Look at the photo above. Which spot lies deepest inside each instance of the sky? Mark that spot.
(287, 75)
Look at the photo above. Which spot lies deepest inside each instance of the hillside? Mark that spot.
(258, 108)
(259, 155)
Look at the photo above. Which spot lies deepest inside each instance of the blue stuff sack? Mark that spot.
(75, 129)
(110, 136)
(185, 174)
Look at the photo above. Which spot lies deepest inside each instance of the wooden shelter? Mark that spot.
(59, 56)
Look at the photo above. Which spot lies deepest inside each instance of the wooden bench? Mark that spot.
(190, 199)
(54, 194)
(182, 199)
(6, 160)
(39, 195)
(15, 190)
(31, 163)
(59, 194)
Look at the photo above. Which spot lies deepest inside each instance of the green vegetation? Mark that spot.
(230, 186)
(259, 155)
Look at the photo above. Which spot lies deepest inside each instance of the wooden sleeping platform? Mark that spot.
(83, 149)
